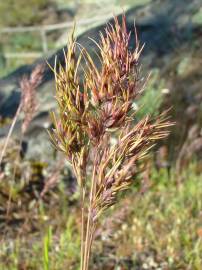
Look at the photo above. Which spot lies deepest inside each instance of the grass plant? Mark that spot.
(94, 112)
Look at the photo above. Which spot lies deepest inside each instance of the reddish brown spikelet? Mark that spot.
(89, 112)
(119, 74)
(28, 97)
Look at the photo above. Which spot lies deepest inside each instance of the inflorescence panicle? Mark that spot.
(96, 110)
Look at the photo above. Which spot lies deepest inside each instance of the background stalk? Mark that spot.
(82, 193)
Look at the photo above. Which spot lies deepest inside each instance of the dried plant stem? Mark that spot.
(27, 104)
(82, 194)
(88, 242)
(90, 222)
(10, 132)
(92, 231)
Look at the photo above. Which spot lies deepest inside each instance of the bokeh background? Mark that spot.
(158, 223)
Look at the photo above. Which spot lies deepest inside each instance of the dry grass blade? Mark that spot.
(28, 103)
(28, 98)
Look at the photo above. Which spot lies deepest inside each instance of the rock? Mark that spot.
(39, 146)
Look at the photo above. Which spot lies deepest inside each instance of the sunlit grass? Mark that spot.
(165, 224)
(163, 229)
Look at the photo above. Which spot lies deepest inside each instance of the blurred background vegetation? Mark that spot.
(158, 224)
(22, 12)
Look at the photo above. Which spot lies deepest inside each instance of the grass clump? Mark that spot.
(163, 228)
(160, 229)
(92, 114)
